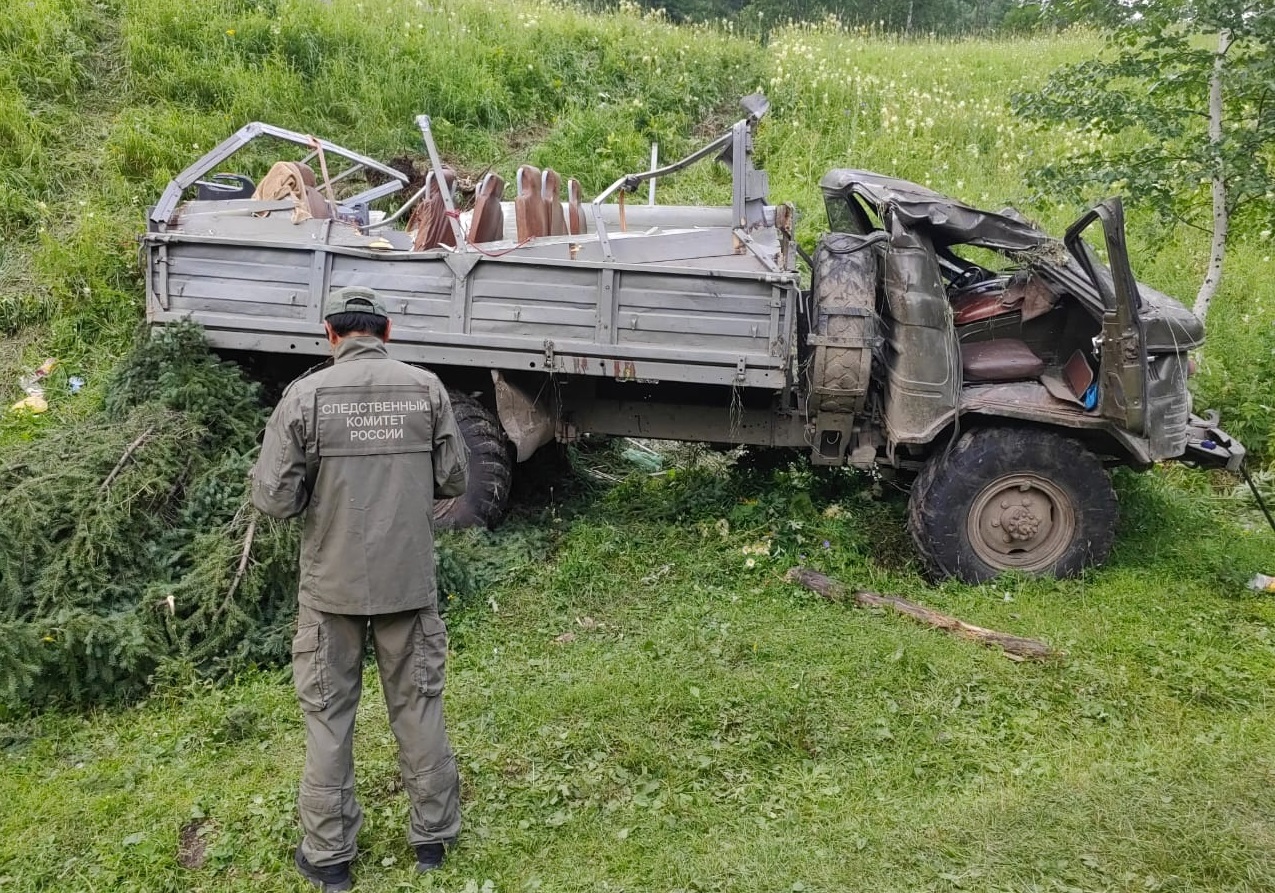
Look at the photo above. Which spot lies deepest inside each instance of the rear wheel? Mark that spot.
(486, 499)
(1009, 499)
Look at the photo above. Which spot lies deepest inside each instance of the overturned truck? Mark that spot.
(1005, 369)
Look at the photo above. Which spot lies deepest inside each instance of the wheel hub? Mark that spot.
(1021, 521)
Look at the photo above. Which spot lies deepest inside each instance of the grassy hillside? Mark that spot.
(101, 102)
(639, 702)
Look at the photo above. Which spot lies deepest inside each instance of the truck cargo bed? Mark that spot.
(699, 313)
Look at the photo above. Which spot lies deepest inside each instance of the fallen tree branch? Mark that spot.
(243, 565)
(128, 453)
(1014, 647)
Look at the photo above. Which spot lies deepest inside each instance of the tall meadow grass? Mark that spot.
(101, 103)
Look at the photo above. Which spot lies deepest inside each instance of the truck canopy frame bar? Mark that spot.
(749, 186)
(167, 204)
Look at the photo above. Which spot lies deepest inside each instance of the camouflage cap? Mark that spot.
(354, 299)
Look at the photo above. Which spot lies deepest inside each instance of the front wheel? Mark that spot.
(1012, 499)
(486, 499)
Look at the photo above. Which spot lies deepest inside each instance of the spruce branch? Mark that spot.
(243, 566)
(128, 453)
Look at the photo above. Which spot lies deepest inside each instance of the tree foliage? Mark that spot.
(893, 16)
(1144, 108)
(128, 544)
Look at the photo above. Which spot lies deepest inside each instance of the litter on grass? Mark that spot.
(32, 385)
(1262, 583)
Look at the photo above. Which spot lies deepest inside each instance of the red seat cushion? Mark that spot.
(1004, 359)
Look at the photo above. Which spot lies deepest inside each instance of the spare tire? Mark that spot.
(1012, 499)
(486, 499)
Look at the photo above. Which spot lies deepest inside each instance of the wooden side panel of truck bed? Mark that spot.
(704, 316)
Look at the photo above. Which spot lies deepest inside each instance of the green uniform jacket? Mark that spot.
(365, 444)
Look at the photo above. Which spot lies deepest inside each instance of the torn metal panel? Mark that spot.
(1028, 401)
(922, 361)
(525, 412)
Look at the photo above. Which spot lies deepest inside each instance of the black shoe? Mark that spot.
(429, 856)
(328, 878)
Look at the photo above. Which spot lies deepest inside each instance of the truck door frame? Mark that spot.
(1123, 366)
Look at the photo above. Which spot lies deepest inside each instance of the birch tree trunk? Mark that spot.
(1221, 216)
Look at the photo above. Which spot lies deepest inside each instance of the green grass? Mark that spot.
(708, 727)
(634, 708)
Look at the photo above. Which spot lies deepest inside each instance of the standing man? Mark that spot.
(365, 445)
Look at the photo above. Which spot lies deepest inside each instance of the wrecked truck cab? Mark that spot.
(1109, 353)
(1034, 363)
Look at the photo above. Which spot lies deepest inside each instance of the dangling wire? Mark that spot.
(736, 412)
(1257, 495)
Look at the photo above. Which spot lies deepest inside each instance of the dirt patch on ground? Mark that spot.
(717, 122)
(521, 139)
(416, 167)
(192, 843)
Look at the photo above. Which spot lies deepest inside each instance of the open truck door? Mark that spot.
(1122, 349)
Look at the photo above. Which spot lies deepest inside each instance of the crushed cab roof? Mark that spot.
(949, 221)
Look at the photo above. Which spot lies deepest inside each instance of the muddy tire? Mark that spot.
(1012, 499)
(486, 499)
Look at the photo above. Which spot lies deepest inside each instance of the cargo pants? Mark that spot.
(327, 666)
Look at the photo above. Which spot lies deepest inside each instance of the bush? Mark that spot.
(128, 542)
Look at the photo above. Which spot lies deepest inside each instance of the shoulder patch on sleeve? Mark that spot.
(292, 385)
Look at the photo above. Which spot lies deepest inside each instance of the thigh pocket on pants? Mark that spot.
(309, 667)
(429, 653)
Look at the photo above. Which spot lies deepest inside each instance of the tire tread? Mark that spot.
(940, 544)
(486, 500)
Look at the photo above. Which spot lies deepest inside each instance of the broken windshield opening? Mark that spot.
(848, 214)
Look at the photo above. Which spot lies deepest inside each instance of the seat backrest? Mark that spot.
(1002, 359)
(221, 187)
(529, 210)
(488, 222)
(306, 172)
(317, 204)
(429, 219)
(575, 208)
(550, 197)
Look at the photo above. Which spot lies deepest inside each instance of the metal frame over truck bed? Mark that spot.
(708, 305)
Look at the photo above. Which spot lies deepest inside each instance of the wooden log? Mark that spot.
(1014, 647)
(243, 558)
